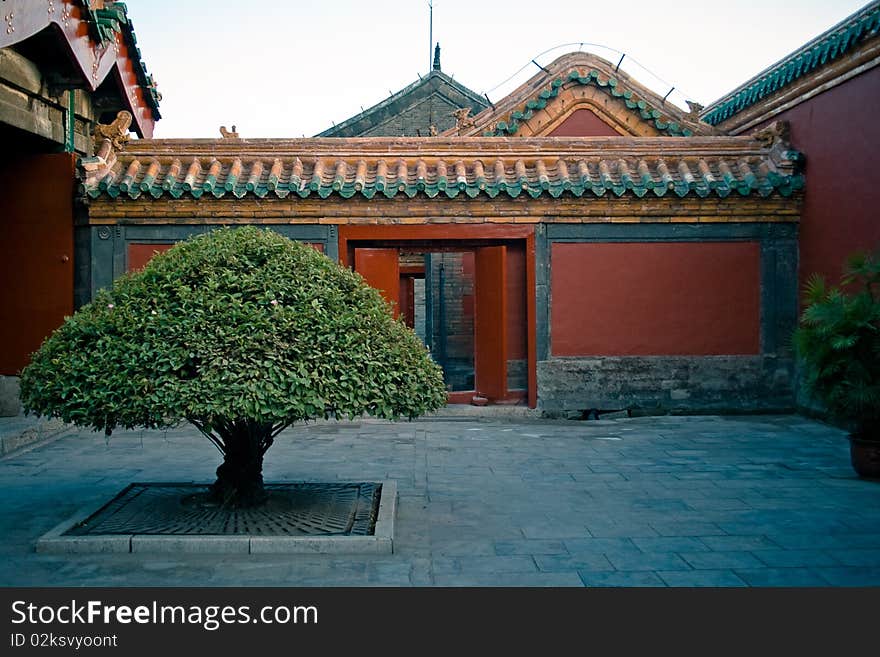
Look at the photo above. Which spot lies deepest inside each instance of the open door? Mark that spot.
(381, 269)
(490, 322)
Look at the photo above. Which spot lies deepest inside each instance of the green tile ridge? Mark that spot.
(611, 86)
(827, 47)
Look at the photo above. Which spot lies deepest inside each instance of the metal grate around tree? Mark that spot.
(294, 509)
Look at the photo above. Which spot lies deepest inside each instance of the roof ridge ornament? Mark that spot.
(228, 134)
(108, 139)
(694, 110)
(436, 66)
(776, 137)
(462, 120)
(116, 132)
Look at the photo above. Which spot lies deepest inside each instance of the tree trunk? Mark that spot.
(240, 477)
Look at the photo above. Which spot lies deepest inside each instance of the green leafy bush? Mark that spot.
(838, 341)
(242, 332)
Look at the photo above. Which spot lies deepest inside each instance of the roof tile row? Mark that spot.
(372, 175)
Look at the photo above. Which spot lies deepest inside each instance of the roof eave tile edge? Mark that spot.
(773, 79)
(784, 186)
(112, 19)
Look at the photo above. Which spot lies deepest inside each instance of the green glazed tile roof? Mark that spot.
(832, 45)
(434, 168)
(610, 85)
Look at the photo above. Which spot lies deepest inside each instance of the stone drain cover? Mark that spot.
(295, 509)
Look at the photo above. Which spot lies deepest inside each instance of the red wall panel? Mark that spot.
(140, 254)
(838, 131)
(655, 299)
(584, 123)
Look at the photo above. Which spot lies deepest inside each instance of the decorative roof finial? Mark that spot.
(116, 133)
(462, 120)
(437, 57)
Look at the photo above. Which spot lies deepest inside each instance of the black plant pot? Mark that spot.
(865, 456)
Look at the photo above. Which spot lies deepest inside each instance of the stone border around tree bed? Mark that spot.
(381, 542)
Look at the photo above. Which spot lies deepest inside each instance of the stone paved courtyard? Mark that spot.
(654, 501)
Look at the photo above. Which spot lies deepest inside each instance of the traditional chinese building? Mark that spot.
(611, 250)
(647, 262)
(65, 65)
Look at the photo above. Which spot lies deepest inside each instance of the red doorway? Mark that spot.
(374, 252)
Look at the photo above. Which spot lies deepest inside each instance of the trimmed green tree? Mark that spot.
(241, 332)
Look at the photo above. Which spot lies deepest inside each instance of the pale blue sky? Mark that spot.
(287, 69)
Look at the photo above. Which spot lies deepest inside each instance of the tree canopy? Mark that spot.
(234, 325)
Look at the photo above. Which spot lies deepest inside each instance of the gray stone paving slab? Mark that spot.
(629, 579)
(849, 576)
(600, 545)
(714, 560)
(647, 561)
(483, 501)
(716, 578)
(795, 558)
(530, 546)
(859, 557)
(670, 544)
(567, 562)
(780, 577)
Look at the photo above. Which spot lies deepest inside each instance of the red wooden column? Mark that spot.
(490, 322)
(381, 269)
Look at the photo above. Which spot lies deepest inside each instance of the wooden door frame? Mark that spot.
(476, 234)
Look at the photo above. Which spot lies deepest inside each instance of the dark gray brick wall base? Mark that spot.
(666, 384)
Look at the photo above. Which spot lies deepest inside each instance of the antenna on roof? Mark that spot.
(619, 62)
(430, 32)
(667, 95)
(489, 101)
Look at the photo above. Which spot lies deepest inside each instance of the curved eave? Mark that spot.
(94, 62)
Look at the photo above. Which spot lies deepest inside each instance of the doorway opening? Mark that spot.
(468, 304)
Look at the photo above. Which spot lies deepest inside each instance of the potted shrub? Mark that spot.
(241, 332)
(838, 342)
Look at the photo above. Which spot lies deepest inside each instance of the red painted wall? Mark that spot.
(584, 123)
(839, 133)
(655, 299)
(140, 254)
(36, 270)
